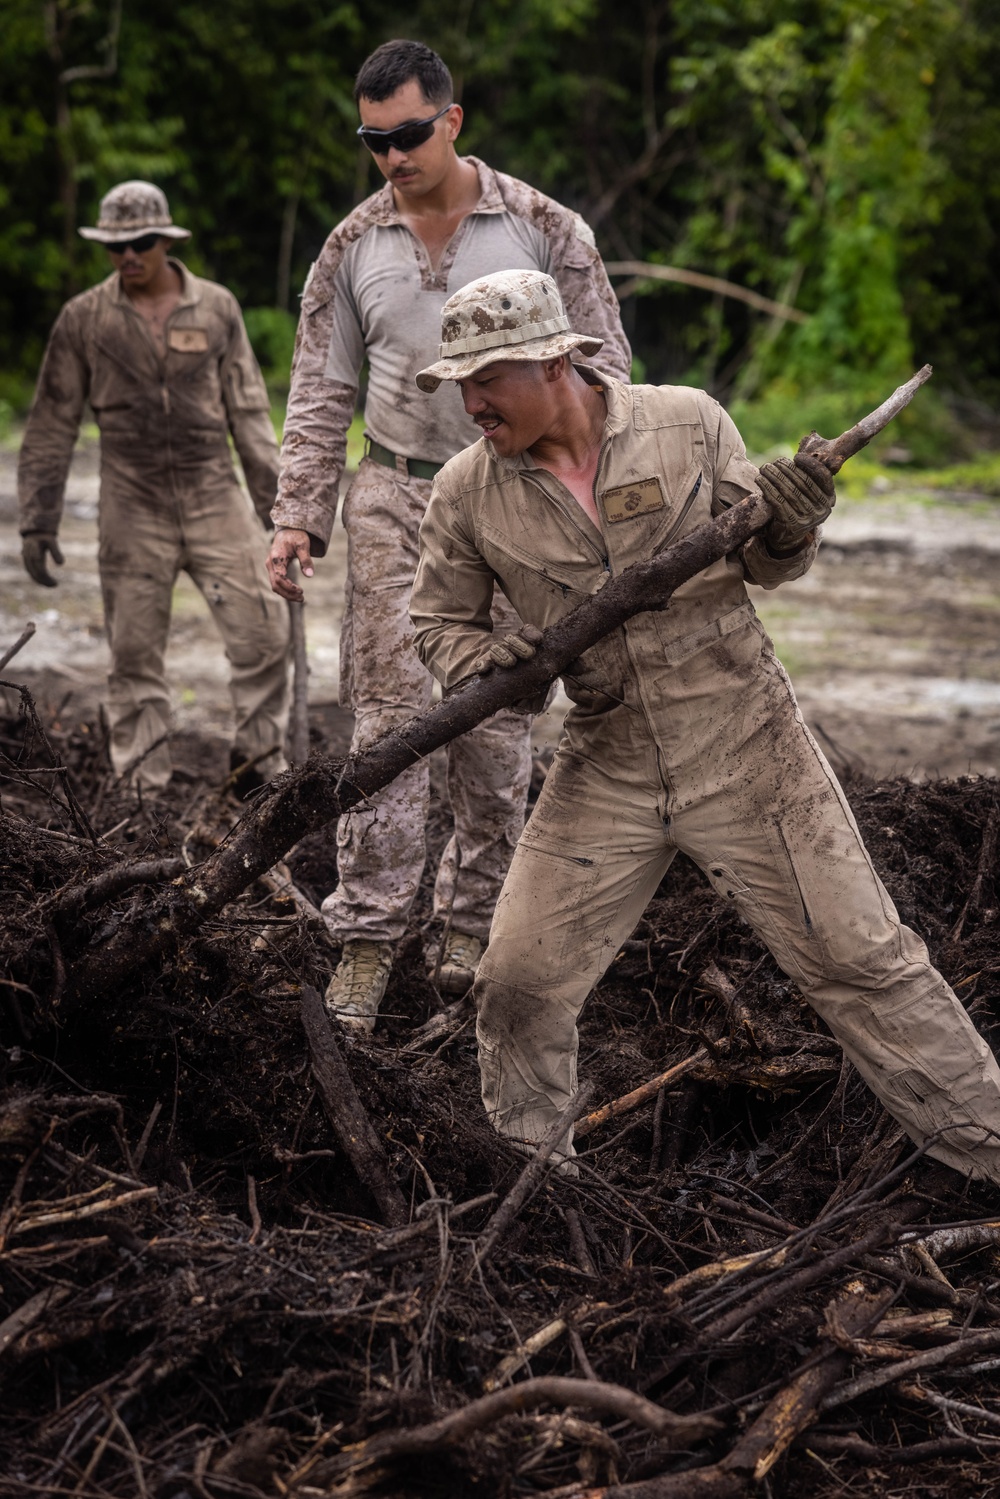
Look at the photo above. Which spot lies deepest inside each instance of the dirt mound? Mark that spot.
(751, 1275)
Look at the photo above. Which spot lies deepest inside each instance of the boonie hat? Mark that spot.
(509, 315)
(132, 209)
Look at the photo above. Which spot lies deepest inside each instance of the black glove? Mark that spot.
(801, 494)
(34, 548)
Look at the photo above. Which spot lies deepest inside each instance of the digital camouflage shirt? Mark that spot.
(373, 294)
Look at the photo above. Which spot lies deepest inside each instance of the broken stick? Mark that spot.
(19, 644)
(346, 1112)
(630, 1101)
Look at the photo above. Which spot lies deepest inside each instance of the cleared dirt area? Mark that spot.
(892, 640)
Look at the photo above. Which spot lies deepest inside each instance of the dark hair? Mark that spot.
(394, 64)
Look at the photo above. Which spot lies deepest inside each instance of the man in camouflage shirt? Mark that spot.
(376, 294)
(164, 360)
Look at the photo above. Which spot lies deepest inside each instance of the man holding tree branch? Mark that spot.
(684, 734)
(376, 294)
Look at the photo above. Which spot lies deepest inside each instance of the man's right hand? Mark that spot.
(288, 546)
(35, 547)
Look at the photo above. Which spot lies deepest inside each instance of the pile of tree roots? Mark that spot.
(243, 1253)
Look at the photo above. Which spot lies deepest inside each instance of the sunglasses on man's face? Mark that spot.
(405, 137)
(140, 246)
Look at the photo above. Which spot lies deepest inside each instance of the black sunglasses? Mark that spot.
(140, 246)
(405, 137)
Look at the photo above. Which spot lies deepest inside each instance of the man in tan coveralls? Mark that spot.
(164, 360)
(685, 732)
(376, 294)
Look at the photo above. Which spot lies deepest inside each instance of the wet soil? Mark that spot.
(198, 1295)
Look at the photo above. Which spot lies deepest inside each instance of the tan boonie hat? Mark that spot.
(509, 315)
(131, 210)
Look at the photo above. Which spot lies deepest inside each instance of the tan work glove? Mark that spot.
(801, 495)
(510, 650)
(34, 548)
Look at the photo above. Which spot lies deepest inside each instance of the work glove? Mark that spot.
(34, 547)
(510, 650)
(801, 495)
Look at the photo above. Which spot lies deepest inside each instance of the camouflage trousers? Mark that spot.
(218, 540)
(381, 846)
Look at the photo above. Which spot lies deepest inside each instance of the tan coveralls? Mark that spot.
(685, 734)
(170, 499)
(374, 295)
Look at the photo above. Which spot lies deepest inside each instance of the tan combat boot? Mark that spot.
(355, 992)
(459, 962)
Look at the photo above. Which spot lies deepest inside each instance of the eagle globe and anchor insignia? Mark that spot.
(628, 500)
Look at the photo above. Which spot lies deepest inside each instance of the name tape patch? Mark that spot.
(627, 500)
(188, 340)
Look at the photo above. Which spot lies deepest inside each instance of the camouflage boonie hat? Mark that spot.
(509, 315)
(131, 210)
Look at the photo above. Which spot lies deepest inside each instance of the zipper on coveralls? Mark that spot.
(664, 778)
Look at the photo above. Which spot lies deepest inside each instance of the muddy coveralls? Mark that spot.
(374, 295)
(169, 499)
(684, 734)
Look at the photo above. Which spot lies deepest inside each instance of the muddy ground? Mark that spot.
(892, 640)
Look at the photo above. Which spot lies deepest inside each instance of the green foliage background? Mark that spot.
(838, 154)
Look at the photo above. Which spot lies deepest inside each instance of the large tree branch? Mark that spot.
(314, 795)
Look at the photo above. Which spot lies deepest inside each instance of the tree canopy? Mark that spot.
(837, 156)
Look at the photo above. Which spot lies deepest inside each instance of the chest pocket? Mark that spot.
(569, 579)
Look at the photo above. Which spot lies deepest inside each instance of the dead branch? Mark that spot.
(531, 1175)
(836, 453)
(79, 898)
(783, 1419)
(984, 872)
(581, 1394)
(645, 270)
(957, 1352)
(300, 690)
(346, 1112)
(19, 644)
(320, 791)
(630, 1101)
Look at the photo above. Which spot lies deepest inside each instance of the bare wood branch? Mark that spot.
(630, 1101)
(19, 644)
(300, 685)
(932, 1358)
(647, 270)
(582, 1394)
(346, 1112)
(531, 1175)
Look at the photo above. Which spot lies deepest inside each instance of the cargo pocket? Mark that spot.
(550, 884)
(839, 917)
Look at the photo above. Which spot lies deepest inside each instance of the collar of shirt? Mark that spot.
(619, 401)
(190, 289)
(490, 199)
